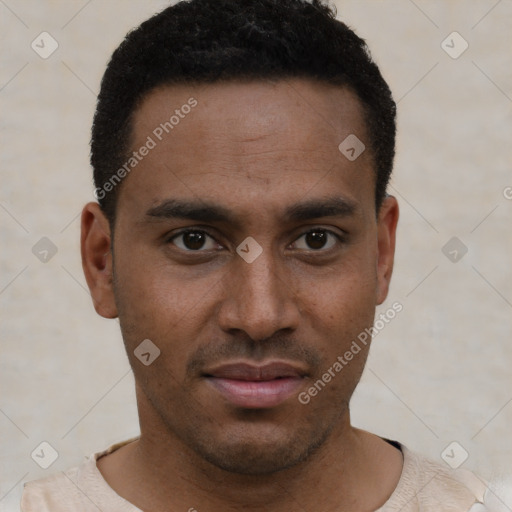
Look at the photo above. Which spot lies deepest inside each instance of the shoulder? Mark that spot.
(80, 488)
(426, 485)
(53, 493)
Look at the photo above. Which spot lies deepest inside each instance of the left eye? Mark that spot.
(318, 239)
(194, 240)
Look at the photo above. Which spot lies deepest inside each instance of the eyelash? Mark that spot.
(340, 238)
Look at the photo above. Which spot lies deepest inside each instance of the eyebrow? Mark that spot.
(204, 211)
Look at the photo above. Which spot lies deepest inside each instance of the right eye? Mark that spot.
(193, 240)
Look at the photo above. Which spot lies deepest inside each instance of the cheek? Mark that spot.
(146, 284)
(346, 291)
(155, 302)
(341, 320)
(339, 308)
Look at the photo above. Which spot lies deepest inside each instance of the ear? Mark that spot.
(96, 250)
(386, 234)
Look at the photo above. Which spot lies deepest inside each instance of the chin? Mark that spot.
(260, 454)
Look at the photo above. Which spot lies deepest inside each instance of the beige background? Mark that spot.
(440, 372)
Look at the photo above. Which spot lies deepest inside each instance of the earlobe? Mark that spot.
(386, 235)
(95, 241)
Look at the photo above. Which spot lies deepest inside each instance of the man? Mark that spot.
(243, 237)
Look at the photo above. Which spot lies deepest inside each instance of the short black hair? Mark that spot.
(207, 41)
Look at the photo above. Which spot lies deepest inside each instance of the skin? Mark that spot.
(255, 148)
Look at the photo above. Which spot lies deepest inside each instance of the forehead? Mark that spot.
(263, 141)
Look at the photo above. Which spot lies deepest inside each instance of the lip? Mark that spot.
(256, 386)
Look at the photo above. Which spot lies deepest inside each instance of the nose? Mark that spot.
(259, 298)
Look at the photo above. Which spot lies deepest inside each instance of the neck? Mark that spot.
(352, 470)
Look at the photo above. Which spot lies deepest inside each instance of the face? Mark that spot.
(248, 250)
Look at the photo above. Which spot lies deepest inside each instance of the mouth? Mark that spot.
(256, 386)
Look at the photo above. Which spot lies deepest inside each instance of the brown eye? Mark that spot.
(317, 239)
(193, 240)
